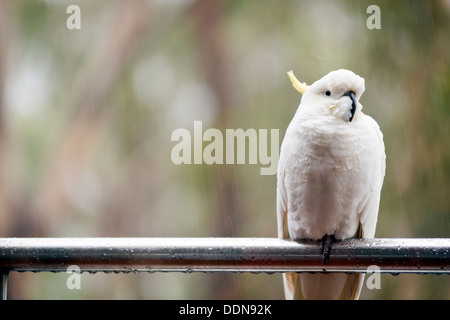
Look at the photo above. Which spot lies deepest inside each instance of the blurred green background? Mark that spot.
(86, 118)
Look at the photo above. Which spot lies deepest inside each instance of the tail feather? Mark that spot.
(329, 286)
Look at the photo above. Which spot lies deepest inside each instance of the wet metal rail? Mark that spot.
(269, 255)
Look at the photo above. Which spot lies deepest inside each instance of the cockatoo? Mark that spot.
(330, 174)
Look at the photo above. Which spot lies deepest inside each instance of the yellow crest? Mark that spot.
(299, 86)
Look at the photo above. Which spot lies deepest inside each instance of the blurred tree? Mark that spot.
(215, 67)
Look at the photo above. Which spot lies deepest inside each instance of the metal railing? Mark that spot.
(269, 255)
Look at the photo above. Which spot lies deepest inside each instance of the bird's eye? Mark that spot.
(327, 93)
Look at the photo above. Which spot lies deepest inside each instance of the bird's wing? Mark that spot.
(369, 208)
(291, 281)
(283, 232)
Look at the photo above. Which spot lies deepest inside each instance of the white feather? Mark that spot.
(330, 176)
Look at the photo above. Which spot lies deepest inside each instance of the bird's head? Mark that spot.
(335, 94)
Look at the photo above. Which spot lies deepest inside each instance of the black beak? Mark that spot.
(351, 95)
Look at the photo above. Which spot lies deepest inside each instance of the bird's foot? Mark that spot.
(326, 243)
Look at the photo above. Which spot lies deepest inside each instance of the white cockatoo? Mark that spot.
(330, 174)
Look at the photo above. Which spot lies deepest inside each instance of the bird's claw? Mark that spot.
(326, 243)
